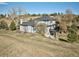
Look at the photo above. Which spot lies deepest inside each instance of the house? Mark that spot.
(29, 26)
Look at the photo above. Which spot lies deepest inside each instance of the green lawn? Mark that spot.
(28, 44)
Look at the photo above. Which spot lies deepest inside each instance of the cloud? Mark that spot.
(3, 3)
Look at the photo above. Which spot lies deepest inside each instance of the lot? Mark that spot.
(27, 44)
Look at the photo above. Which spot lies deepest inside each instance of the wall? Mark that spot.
(27, 29)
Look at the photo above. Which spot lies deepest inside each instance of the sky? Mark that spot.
(40, 7)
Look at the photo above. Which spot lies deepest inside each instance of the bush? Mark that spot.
(12, 26)
(3, 25)
(41, 28)
(72, 35)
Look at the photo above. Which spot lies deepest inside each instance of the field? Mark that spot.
(27, 44)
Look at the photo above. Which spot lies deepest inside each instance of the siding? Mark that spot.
(27, 29)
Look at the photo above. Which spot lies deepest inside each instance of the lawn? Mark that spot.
(28, 44)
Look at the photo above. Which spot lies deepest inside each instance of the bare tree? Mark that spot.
(68, 17)
(13, 13)
(41, 28)
(16, 13)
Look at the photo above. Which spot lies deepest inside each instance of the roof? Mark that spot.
(33, 22)
(44, 18)
(29, 23)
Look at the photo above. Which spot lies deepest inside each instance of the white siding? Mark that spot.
(27, 29)
(22, 28)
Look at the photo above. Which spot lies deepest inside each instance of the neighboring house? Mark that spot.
(30, 25)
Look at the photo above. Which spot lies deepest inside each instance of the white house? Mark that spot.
(27, 26)
(30, 25)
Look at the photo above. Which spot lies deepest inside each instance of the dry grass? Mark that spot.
(27, 44)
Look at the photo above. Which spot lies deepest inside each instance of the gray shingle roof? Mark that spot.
(29, 23)
(44, 18)
(32, 22)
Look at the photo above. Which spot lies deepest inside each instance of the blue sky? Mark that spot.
(41, 7)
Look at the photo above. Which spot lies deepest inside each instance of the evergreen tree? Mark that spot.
(59, 13)
(13, 26)
(2, 16)
(72, 35)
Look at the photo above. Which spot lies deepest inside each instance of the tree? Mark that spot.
(76, 19)
(13, 13)
(3, 25)
(68, 11)
(59, 13)
(33, 15)
(72, 34)
(16, 13)
(39, 14)
(2, 16)
(53, 14)
(41, 28)
(63, 26)
(13, 26)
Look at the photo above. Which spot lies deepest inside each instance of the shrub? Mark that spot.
(41, 28)
(3, 25)
(12, 26)
(72, 35)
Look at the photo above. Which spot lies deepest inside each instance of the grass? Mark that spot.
(13, 43)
